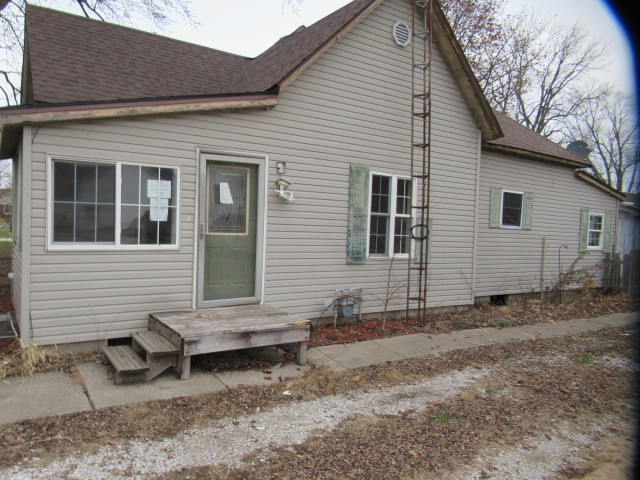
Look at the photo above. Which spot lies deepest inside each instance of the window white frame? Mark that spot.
(393, 193)
(502, 225)
(600, 245)
(116, 245)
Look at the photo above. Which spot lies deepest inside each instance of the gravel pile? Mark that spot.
(233, 439)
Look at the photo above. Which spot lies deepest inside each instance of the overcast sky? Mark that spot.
(260, 23)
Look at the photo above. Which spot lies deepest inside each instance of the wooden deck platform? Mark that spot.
(196, 332)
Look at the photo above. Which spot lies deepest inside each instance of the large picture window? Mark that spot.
(389, 215)
(87, 208)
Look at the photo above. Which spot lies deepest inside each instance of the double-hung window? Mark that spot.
(389, 215)
(595, 231)
(105, 205)
(512, 203)
(510, 209)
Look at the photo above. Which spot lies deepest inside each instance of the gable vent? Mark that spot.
(401, 33)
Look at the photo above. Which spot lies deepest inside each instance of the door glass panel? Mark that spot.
(228, 190)
(231, 231)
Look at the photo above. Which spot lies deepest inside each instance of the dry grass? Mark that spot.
(26, 361)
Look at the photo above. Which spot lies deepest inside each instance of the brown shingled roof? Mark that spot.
(75, 59)
(97, 61)
(522, 140)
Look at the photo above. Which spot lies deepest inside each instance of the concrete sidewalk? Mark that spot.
(55, 393)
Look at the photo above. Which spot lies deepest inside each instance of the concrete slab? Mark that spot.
(476, 337)
(540, 330)
(257, 377)
(508, 334)
(316, 357)
(406, 345)
(460, 339)
(359, 354)
(40, 395)
(105, 394)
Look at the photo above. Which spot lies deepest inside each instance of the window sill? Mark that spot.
(111, 248)
(594, 249)
(386, 257)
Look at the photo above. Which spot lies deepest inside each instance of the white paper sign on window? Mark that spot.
(159, 188)
(159, 210)
(225, 194)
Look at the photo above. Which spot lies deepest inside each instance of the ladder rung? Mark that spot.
(416, 299)
(422, 115)
(417, 268)
(423, 96)
(423, 177)
(421, 3)
(421, 145)
(420, 207)
(421, 66)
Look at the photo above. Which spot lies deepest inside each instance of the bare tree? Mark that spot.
(477, 25)
(527, 66)
(118, 11)
(608, 123)
(564, 59)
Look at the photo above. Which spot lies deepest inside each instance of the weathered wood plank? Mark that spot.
(124, 360)
(236, 341)
(302, 353)
(228, 320)
(184, 367)
(157, 326)
(155, 344)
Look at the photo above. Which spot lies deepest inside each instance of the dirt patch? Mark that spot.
(518, 311)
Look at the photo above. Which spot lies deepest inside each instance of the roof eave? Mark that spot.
(465, 78)
(12, 118)
(543, 157)
(290, 77)
(590, 179)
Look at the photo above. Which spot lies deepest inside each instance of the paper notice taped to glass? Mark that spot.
(225, 194)
(159, 188)
(159, 211)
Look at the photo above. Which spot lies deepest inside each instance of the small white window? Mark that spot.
(89, 211)
(389, 215)
(512, 207)
(596, 231)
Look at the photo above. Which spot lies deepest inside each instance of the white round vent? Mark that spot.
(401, 33)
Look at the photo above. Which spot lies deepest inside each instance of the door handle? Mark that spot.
(201, 231)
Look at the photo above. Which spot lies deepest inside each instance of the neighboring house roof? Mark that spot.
(523, 141)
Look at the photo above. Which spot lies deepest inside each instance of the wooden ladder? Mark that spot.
(149, 355)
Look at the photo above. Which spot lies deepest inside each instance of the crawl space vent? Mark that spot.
(401, 33)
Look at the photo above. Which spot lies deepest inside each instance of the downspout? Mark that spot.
(475, 219)
(25, 242)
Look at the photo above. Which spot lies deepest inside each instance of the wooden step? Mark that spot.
(155, 344)
(129, 367)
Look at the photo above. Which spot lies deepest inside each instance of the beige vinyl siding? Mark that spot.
(509, 260)
(352, 105)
